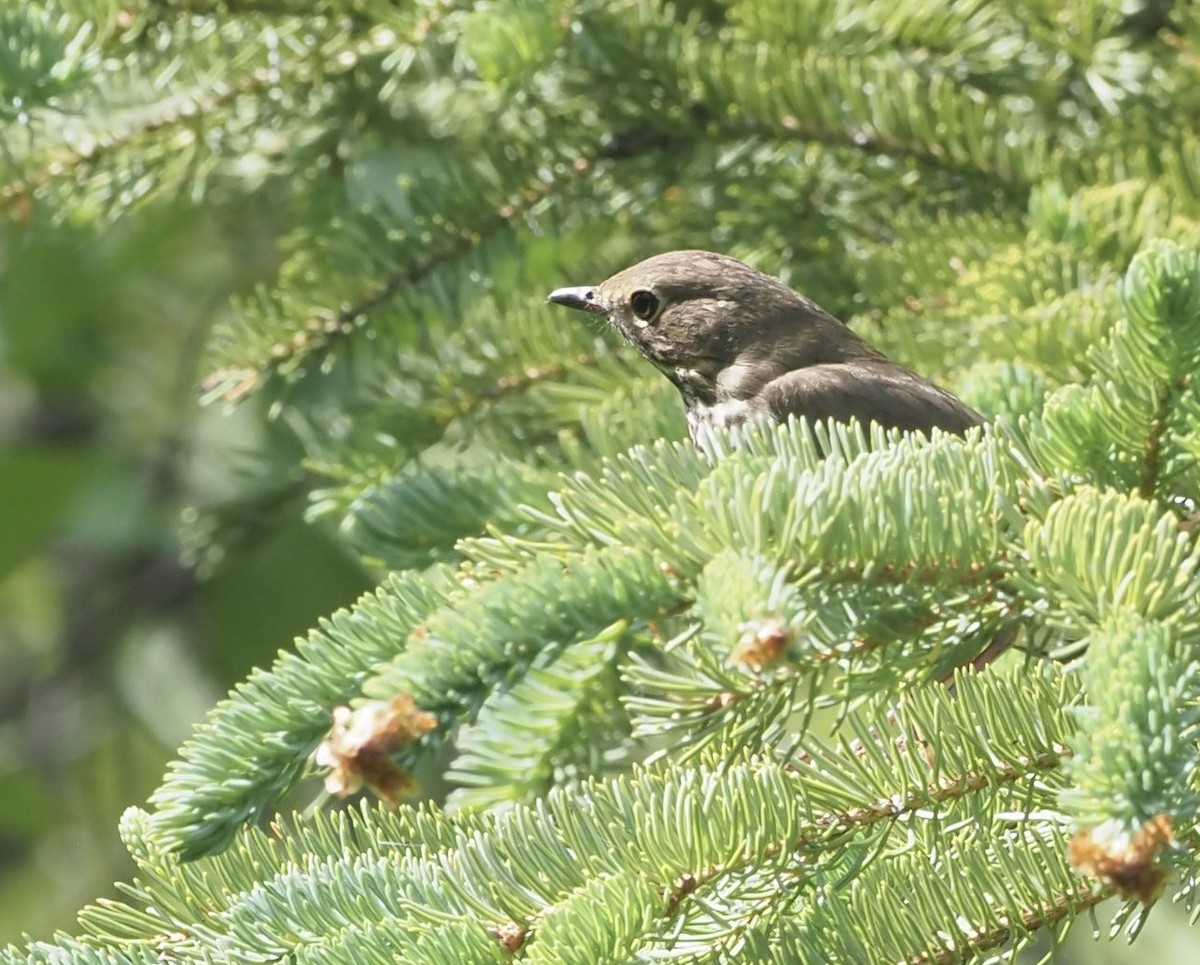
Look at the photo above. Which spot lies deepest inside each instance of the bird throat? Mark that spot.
(696, 389)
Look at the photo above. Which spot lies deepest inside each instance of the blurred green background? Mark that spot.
(151, 551)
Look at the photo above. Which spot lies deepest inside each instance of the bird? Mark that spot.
(739, 345)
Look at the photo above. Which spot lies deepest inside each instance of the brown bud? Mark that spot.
(761, 643)
(1125, 861)
(360, 743)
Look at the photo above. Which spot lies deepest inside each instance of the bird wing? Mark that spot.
(868, 391)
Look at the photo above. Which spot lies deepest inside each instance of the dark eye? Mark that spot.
(644, 305)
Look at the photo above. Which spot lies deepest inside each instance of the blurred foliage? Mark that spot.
(272, 334)
(151, 552)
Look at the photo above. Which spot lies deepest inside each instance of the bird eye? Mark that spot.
(644, 305)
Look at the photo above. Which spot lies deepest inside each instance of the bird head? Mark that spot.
(716, 327)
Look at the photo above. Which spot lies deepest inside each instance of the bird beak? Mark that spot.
(584, 299)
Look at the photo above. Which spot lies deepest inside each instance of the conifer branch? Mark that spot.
(191, 107)
(323, 329)
(1058, 908)
(1154, 442)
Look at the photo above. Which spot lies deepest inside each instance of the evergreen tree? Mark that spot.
(671, 704)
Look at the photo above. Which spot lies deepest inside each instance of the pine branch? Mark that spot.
(1151, 355)
(199, 806)
(677, 840)
(274, 57)
(323, 328)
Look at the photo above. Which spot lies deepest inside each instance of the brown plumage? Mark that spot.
(739, 344)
